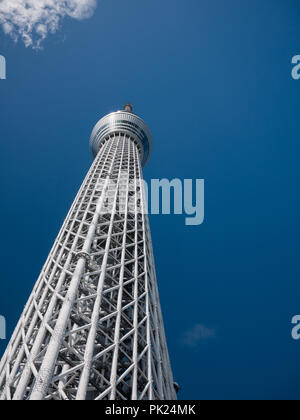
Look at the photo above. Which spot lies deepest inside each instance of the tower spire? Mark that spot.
(128, 107)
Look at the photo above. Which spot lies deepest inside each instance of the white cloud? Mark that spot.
(33, 20)
(196, 334)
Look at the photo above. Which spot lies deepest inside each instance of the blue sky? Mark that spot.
(212, 78)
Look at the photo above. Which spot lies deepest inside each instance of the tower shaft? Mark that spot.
(92, 328)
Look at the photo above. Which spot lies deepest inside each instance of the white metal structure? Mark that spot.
(92, 328)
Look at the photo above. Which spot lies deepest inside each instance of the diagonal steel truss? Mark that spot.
(92, 328)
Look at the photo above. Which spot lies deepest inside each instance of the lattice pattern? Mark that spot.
(92, 328)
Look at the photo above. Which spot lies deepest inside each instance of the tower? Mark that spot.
(92, 328)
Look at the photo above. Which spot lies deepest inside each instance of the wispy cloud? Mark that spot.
(33, 20)
(193, 336)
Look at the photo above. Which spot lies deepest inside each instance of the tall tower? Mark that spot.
(92, 328)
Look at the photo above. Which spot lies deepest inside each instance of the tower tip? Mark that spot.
(128, 107)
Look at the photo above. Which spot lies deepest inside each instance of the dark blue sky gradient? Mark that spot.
(212, 78)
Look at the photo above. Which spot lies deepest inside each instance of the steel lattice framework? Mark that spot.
(92, 328)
